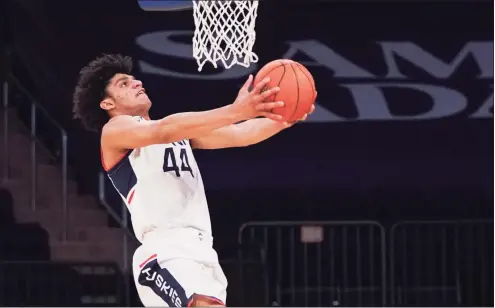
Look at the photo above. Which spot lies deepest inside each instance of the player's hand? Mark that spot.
(304, 117)
(252, 104)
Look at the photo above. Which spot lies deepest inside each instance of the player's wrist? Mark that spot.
(237, 113)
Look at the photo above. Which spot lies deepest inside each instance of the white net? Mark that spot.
(224, 32)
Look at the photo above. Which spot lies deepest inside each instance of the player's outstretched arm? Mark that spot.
(243, 134)
(125, 132)
(239, 135)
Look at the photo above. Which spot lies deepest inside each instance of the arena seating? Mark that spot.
(89, 237)
(20, 241)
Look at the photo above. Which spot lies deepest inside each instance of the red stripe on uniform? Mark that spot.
(147, 260)
(130, 197)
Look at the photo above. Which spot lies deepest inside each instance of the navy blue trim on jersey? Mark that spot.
(123, 176)
(164, 284)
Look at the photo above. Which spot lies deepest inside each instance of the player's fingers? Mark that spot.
(268, 93)
(316, 94)
(271, 115)
(248, 83)
(311, 109)
(304, 117)
(268, 106)
(259, 87)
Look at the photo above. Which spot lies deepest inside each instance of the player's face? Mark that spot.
(126, 96)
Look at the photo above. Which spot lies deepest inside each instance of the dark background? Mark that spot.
(347, 167)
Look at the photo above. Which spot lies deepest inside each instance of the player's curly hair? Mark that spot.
(91, 88)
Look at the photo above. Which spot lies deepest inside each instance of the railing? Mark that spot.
(441, 263)
(78, 284)
(430, 263)
(322, 263)
(70, 284)
(35, 110)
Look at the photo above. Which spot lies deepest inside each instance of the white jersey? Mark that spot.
(163, 190)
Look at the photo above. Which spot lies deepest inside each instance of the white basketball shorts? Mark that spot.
(173, 282)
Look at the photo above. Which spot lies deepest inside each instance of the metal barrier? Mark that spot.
(247, 276)
(34, 108)
(45, 284)
(441, 263)
(320, 263)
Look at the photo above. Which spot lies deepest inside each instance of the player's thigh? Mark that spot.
(178, 283)
(203, 284)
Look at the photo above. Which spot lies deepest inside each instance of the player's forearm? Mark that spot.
(257, 130)
(190, 125)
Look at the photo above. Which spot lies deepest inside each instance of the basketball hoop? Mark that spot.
(224, 32)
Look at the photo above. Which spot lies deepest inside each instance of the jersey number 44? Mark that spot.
(170, 163)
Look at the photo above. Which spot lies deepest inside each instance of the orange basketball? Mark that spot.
(297, 87)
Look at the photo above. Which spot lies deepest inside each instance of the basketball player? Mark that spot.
(151, 165)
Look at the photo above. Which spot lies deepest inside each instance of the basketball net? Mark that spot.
(224, 32)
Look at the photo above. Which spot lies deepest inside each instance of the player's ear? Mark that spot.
(107, 104)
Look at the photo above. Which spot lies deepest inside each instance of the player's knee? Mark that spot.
(199, 300)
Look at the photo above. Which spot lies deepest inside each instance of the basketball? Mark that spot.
(297, 87)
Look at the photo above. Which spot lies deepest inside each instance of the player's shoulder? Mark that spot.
(139, 119)
(122, 119)
(118, 125)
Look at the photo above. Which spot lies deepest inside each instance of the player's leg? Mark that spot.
(156, 286)
(177, 283)
(204, 301)
(217, 286)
